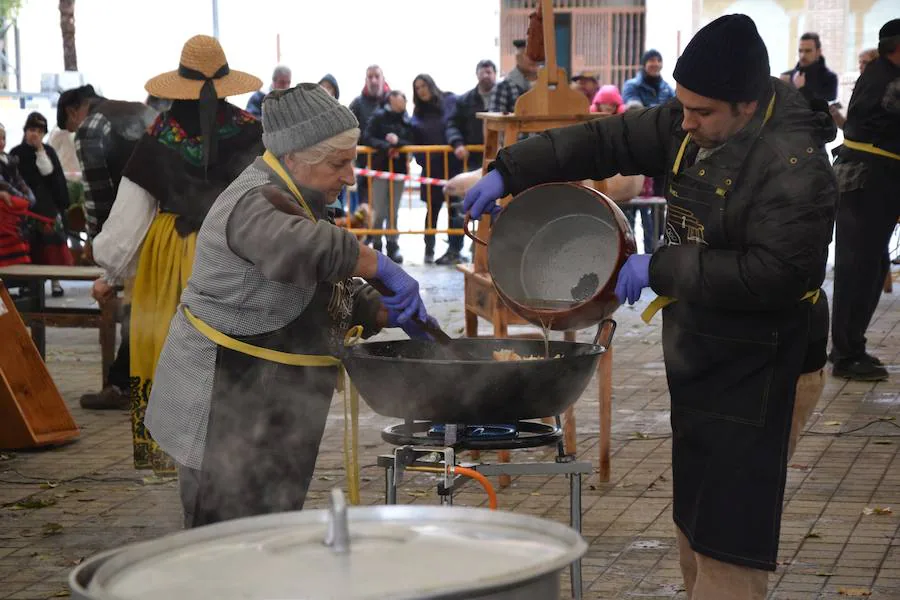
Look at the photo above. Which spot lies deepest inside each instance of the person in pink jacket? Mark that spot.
(608, 101)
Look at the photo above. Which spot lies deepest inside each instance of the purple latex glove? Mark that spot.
(633, 277)
(406, 300)
(484, 195)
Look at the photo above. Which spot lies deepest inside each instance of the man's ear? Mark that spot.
(748, 108)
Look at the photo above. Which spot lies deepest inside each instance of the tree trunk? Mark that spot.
(67, 25)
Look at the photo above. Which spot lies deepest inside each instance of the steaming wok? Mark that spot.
(409, 379)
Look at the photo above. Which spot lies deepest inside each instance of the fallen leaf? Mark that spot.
(854, 592)
(883, 442)
(62, 594)
(832, 423)
(48, 485)
(637, 435)
(52, 529)
(887, 418)
(825, 574)
(6, 456)
(325, 478)
(593, 488)
(813, 535)
(878, 510)
(799, 467)
(33, 503)
(85, 499)
(535, 493)
(157, 480)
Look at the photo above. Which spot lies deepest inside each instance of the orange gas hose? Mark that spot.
(470, 473)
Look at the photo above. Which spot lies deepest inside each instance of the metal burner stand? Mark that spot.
(439, 452)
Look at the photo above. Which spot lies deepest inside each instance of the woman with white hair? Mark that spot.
(236, 400)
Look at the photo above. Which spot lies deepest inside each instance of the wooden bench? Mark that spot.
(38, 316)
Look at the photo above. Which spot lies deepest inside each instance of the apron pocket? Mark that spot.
(720, 376)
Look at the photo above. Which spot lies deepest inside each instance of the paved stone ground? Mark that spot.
(64, 504)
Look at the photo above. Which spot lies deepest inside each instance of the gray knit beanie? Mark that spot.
(301, 117)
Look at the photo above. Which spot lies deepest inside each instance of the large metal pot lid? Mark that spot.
(357, 553)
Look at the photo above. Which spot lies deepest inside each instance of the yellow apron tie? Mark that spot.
(273, 163)
(351, 404)
(870, 148)
(660, 302)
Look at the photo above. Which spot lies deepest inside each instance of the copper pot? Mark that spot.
(555, 252)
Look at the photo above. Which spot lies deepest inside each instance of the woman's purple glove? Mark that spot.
(406, 302)
(633, 277)
(484, 195)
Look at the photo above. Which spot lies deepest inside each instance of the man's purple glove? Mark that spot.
(406, 302)
(633, 277)
(484, 195)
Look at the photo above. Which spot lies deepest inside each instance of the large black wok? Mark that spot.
(413, 379)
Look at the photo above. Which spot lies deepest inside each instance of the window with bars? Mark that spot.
(606, 36)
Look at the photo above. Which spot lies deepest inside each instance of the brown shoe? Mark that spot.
(109, 398)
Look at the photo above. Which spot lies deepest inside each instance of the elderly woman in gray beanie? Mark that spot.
(245, 380)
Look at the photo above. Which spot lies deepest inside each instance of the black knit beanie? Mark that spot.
(889, 29)
(726, 60)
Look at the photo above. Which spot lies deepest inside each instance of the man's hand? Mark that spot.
(102, 291)
(391, 139)
(839, 119)
(461, 153)
(799, 79)
(7, 199)
(633, 277)
(484, 195)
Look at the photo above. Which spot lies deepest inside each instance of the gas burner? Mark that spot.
(524, 434)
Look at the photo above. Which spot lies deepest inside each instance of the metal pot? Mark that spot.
(555, 252)
(373, 552)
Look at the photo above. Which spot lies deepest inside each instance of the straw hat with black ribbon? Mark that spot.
(203, 74)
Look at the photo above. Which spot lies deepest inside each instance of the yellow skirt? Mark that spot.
(163, 271)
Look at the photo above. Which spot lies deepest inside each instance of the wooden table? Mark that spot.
(37, 315)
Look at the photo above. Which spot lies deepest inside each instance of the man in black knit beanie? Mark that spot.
(750, 194)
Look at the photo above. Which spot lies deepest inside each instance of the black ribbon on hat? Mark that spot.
(208, 102)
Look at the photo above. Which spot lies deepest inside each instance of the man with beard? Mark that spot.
(810, 75)
(750, 193)
(464, 128)
(517, 82)
(373, 97)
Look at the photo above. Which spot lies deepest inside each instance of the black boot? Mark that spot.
(860, 369)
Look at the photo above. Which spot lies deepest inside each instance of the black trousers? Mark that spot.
(864, 223)
(119, 373)
(455, 218)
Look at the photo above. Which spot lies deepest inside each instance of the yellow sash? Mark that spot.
(870, 148)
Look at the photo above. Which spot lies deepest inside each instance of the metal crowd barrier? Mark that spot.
(412, 183)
